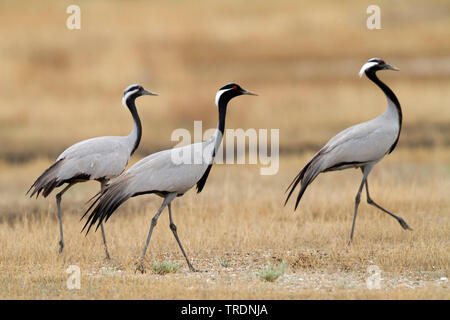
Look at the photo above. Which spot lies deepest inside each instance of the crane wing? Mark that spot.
(98, 158)
(159, 173)
(353, 147)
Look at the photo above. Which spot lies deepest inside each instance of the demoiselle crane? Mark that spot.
(100, 159)
(360, 146)
(168, 174)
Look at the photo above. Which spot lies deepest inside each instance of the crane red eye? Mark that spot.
(235, 87)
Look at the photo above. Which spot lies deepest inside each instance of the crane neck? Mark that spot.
(390, 95)
(394, 109)
(215, 142)
(136, 134)
(218, 135)
(222, 116)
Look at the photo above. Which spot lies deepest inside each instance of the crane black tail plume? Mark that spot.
(106, 202)
(90, 199)
(294, 184)
(47, 181)
(305, 176)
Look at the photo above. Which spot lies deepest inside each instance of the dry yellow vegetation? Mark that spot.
(302, 57)
(239, 218)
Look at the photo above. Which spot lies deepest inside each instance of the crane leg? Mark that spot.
(140, 266)
(357, 200)
(173, 227)
(104, 242)
(102, 183)
(58, 204)
(371, 202)
(365, 170)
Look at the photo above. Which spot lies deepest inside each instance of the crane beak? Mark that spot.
(148, 93)
(248, 92)
(389, 67)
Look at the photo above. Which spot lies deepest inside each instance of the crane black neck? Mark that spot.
(391, 97)
(222, 116)
(222, 106)
(132, 107)
(387, 91)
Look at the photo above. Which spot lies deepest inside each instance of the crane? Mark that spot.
(100, 159)
(360, 146)
(164, 175)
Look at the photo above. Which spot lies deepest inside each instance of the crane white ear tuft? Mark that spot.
(366, 66)
(218, 95)
(127, 95)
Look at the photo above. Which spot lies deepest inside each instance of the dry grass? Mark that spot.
(239, 218)
(302, 57)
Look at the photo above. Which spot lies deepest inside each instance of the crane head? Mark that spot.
(135, 90)
(229, 91)
(375, 64)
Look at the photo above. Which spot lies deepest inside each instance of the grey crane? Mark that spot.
(360, 146)
(167, 173)
(100, 159)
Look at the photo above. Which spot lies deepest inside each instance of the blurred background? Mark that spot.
(59, 86)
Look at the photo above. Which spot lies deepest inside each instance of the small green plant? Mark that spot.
(224, 262)
(271, 272)
(165, 267)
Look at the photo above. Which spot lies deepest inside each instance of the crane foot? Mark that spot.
(404, 224)
(140, 268)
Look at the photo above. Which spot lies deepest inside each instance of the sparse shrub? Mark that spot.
(165, 267)
(224, 262)
(271, 272)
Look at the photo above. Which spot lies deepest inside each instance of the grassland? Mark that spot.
(60, 86)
